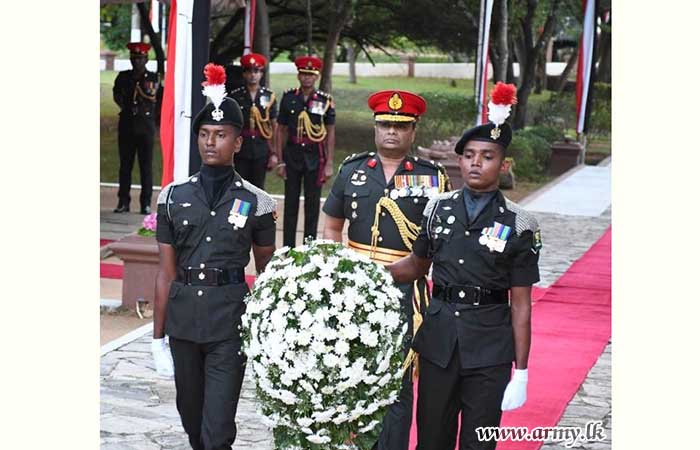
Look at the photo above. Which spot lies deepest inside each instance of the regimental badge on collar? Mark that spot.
(358, 178)
(239, 213)
(495, 237)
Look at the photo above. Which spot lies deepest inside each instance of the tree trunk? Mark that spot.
(604, 43)
(499, 51)
(340, 13)
(154, 38)
(352, 57)
(561, 84)
(309, 29)
(528, 51)
(261, 39)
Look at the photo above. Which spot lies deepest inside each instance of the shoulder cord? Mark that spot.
(407, 229)
(315, 133)
(262, 123)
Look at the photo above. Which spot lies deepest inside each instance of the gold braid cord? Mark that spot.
(260, 121)
(316, 133)
(139, 91)
(412, 356)
(407, 229)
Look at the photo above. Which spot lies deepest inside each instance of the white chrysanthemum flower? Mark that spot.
(317, 439)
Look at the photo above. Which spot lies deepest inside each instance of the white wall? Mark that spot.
(422, 70)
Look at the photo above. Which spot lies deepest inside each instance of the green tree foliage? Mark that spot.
(115, 25)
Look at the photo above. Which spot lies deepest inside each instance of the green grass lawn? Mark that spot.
(354, 132)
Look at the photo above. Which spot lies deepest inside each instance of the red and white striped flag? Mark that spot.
(482, 63)
(586, 69)
(188, 53)
(249, 27)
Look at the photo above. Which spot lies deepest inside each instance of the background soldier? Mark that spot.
(135, 93)
(206, 228)
(481, 246)
(305, 142)
(383, 195)
(259, 108)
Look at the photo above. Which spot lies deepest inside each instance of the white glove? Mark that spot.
(516, 391)
(162, 357)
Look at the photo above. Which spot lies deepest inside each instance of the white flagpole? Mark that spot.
(246, 32)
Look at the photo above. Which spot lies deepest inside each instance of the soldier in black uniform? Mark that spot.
(481, 246)
(135, 93)
(207, 225)
(305, 143)
(383, 195)
(259, 108)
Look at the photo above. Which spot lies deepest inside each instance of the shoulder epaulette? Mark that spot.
(524, 220)
(290, 90)
(355, 157)
(430, 206)
(324, 94)
(164, 192)
(266, 204)
(238, 89)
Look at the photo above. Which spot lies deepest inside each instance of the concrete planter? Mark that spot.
(140, 256)
(565, 156)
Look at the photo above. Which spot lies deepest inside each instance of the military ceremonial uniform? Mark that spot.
(212, 220)
(304, 155)
(258, 114)
(137, 100)
(383, 224)
(466, 339)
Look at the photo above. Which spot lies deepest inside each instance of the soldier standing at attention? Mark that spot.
(305, 143)
(259, 109)
(483, 247)
(383, 195)
(135, 93)
(207, 225)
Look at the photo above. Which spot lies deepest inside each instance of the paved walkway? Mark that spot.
(137, 407)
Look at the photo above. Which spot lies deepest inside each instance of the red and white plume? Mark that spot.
(502, 97)
(215, 85)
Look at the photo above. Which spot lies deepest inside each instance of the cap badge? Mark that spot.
(495, 133)
(217, 114)
(252, 60)
(395, 102)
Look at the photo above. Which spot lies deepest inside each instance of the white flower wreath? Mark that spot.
(322, 333)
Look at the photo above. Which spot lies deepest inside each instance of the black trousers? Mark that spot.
(252, 170)
(396, 425)
(312, 203)
(443, 393)
(208, 379)
(136, 138)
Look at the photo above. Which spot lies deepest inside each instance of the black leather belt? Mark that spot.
(211, 276)
(470, 295)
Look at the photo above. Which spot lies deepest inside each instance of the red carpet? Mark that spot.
(571, 323)
(112, 271)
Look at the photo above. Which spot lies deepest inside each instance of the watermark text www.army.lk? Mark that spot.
(569, 436)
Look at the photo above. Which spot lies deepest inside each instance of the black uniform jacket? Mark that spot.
(254, 146)
(361, 184)
(483, 333)
(304, 154)
(205, 237)
(132, 103)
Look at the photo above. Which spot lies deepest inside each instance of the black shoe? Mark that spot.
(121, 208)
(146, 210)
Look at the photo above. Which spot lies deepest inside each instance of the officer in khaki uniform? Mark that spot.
(135, 93)
(305, 143)
(382, 194)
(484, 250)
(206, 228)
(259, 107)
